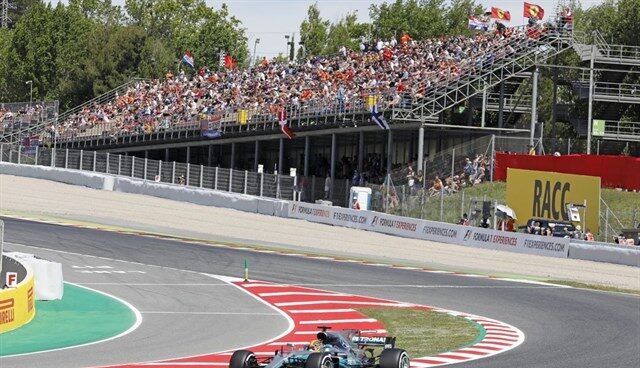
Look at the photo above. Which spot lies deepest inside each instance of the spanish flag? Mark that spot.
(497, 13)
(533, 11)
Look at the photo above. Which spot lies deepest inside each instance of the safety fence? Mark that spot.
(235, 181)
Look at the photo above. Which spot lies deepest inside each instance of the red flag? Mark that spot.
(497, 13)
(533, 11)
(229, 63)
(284, 124)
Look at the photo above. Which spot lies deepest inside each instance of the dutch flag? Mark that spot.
(187, 59)
(378, 118)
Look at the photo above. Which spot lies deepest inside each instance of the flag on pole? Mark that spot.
(533, 11)
(497, 13)
(284, 124)
(477, 24)
(378, 118)
(187, 59)
(229, 63)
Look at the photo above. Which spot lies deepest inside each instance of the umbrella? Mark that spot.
(507, 210)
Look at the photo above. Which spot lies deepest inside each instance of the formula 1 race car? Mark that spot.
(343, 349)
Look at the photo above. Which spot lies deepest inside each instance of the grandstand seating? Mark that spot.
(388, 74)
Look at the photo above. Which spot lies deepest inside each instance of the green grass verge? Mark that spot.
(581, 285)
(423, 333)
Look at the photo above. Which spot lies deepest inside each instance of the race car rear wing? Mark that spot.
(384, 341)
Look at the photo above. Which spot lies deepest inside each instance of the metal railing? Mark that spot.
(174, 173)
(621, 130)
(41, 126)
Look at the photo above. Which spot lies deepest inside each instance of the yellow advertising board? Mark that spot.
(543, 194)
(17, 305)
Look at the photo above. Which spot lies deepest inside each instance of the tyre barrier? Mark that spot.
(17, 304)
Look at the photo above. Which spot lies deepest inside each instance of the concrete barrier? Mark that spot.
(74, 177)
(601, 252)
(338, 216)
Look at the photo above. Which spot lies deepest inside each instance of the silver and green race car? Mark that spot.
(343, 349)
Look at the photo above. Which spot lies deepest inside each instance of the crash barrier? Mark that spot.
(17, 304)
(613, 170)
(202, 196)
(431, 230)
(50, 283)
(357, 219)
(605, 252)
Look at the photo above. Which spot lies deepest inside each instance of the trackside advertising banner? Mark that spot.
(430, 230)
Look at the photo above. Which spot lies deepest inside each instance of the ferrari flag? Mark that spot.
(497, 13)
(533, 11)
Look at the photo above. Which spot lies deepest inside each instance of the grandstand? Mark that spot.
(231, 118)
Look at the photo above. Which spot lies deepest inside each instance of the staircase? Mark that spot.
(529, 52)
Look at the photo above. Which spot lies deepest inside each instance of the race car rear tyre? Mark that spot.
(394, 358)
(243, 359)
(319, 360)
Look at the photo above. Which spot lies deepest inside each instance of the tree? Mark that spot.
(346, 32)
(313, 32)
(420, 18)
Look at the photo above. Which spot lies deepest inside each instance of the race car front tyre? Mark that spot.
(319, 360)
(394, 358)
(243, 359)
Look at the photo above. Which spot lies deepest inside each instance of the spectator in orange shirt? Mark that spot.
(405, 38)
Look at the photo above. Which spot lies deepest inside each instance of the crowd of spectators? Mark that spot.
(395, 69)
(21, 115)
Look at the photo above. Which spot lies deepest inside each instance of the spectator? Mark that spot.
(327, 186)
(464, 221)
(588, 236)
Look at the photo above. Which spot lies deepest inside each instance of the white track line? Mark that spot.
(133, 327)
(332, 321)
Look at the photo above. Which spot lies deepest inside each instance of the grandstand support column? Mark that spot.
(210, 154)
(233, 155)
(307, 144)
(280, 156)
(256, 155)
(334, 152)
(484, 108)
(188, 158)
(389, 150)
(166, 154)
(420, 147)
(501, 105)
(534, 105)
(361, 152)
(590, 108)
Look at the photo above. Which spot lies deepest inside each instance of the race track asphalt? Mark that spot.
(563, 327)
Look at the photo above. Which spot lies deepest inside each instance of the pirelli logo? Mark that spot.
(7, 311)
(30, 299)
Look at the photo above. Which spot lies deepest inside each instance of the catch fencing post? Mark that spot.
(462, 205)
(261, 184)
(606, 225)
(80, 163)
(19, 154)
(95, 155)
(119, 164)
(36, 158)
(215, 179)
(66, 158)
(230, 179)
(1, 151)
(133, 165)
(201, 174)
(160, 170)
(246, 174)
(108, 157)
(173, 173)
(145, 169)
(188, 171)
(441, 204)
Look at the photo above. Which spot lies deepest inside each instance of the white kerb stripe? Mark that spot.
(285, 293)
(288, 304)
(330, 321)
(312, 311)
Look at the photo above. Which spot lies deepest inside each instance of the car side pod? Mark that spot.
(319, 360)
(243, 359)
(394, 358)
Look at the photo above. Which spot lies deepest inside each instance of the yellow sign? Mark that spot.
(543, 194)
(243, 116)
(17, 305)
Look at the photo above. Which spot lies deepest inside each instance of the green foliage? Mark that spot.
(313, 32)
(77, 51)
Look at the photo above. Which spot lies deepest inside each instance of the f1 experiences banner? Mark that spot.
(430, 230)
